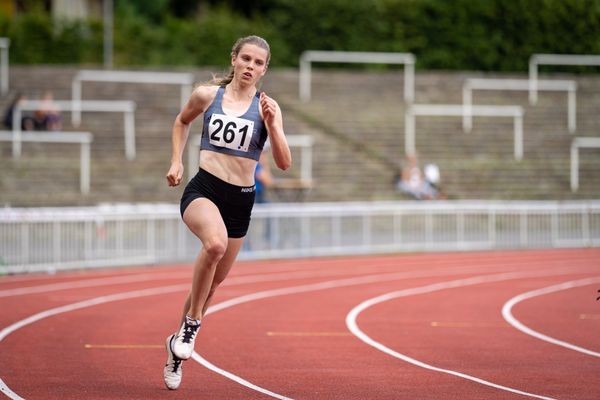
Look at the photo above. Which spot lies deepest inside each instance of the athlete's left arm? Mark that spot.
(273, 119)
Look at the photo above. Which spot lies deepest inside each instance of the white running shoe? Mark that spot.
(172, 372)
(183, 345)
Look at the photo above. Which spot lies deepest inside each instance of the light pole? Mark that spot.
(108, 33)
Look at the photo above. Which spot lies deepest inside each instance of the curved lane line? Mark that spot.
(76, 306)
(6, 390)
(95, 282)
(236, 378)
(373, 279)
(53, 287)
(144, 277)
(229, 303)
(509, 317)
(233, 279)
(353, 326)
(181, 287)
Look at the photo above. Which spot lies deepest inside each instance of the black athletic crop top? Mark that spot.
(242, 136)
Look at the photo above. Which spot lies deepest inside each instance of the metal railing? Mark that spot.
(84, 139)
(115, 235)
(122, 106)
(576, 144)
(311, 56)
(472, 84)
(555, 59)
(457, 110)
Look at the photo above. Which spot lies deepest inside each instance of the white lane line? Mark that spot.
(301, 289)
(94, 282)
(174, 288)
(88, 303)
(53, 287)
(509, 317)
(236, 378)
(76, 306)
(6, 391)
(238, 278)
(229, 303)
(374, 279)
(232, 280)
(353, 326)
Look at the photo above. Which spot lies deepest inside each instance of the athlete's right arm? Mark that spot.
(200, 99)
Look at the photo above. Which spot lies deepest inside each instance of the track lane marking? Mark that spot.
(348, 282)
(53, 287)
(470, 325)
(589, 316)
(96, 282)
(309, 334)
(229, 303)
(182, 287)
(76, 306)
(510, 318)
(234, 278)
(355, 312)
(124, 346)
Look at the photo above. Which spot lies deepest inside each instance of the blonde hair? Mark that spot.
(255, 40)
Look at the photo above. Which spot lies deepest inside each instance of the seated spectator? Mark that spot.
(432, 177)
(414, 183)
(27, 121)
(47, 117)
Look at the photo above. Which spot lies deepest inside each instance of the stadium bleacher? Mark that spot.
(357, 121)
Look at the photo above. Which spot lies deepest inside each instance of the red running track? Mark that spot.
(486, 325)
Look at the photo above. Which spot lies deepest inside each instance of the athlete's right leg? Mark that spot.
(204, 219)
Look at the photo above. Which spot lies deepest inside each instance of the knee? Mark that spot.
(215, 249)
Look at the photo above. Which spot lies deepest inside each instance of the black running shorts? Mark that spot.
(234, 202)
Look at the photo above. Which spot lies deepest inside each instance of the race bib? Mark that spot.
(230, 132)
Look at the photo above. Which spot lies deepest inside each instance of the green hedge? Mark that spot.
(487, 35)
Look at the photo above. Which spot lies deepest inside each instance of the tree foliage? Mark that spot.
(491, 35)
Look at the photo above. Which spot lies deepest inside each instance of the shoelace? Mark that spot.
(176, 360)
(176, 363)
(189, 332)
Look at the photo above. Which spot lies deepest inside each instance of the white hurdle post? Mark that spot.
(576, 144)
(184, 80)
(127, 107)
(472, 84)
(458, 110)
(555, 59)
(310, 56)
(84, 139)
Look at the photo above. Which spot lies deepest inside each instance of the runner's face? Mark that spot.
(250, 64)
